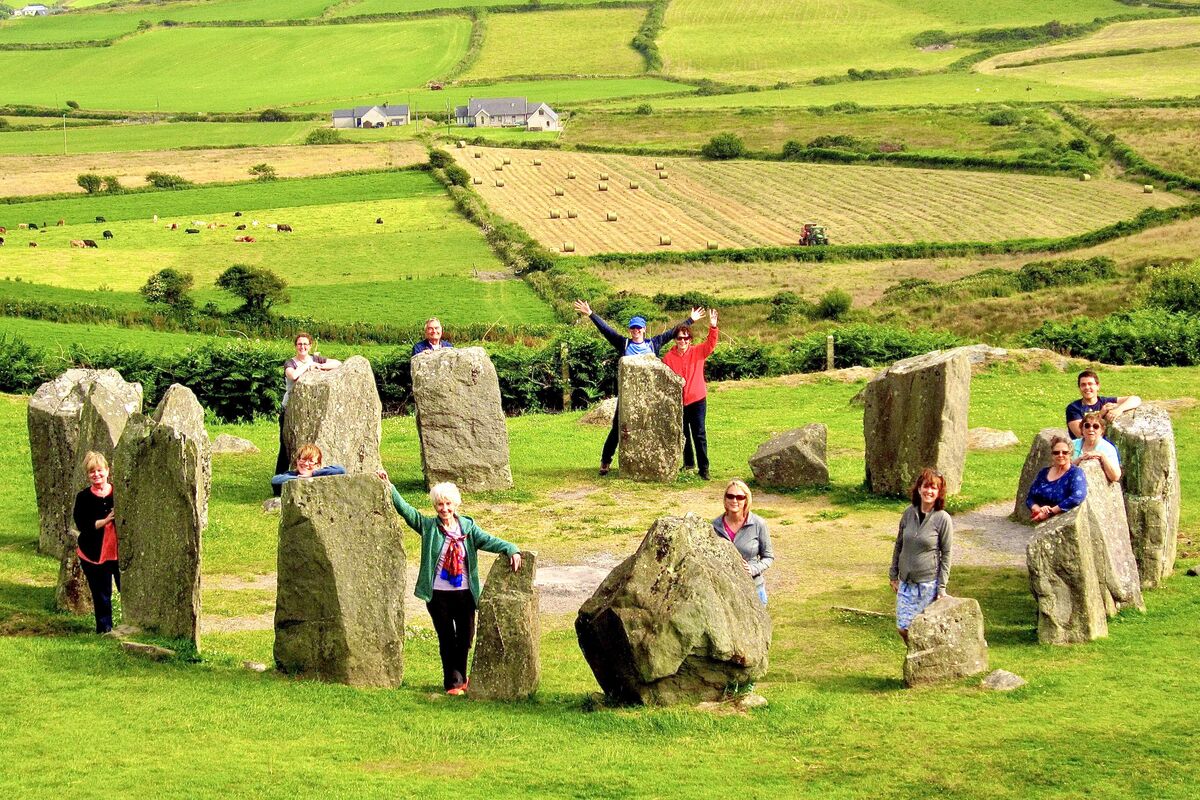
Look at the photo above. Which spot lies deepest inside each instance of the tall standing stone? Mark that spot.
(1039, 457)
(162, 476)
(678, 621)
(945, 642)
(339, 605)
(915, 416)
(506, 663)
(1120, 584)
(650, 411)
(339, 411)
(1064, 580)
(460, 420)
(1146, 441)
(792, 459)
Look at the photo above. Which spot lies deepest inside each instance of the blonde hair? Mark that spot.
(308, 451)
(741, 484)
(93, 459)
(445, 491)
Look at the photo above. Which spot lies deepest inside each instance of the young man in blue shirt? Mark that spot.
(1090, 399)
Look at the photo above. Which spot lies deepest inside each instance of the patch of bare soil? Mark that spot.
(986, 537)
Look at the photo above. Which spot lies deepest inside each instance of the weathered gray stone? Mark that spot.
(460, 419)
(506, 663)
(1039, 457)
(225, 444)
(339, 411)
(1001, 680)
(1120, 584)
(979, 354)
(600, 414)
(1064, 580)
(254, 666)
(990, 439)
(272, 505)
(678, 621)
(915, 416)
(150, 651)
(792, 459)
(651, 419)
(162, 475)
(945, 642)
(339, 604)
(1150, 476)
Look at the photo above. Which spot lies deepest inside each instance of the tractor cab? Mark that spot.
(813, 234)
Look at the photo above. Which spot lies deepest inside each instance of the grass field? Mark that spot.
(254, 71)
(159, 136)
(1175, 74)
(1142, 34)
(583, 42)
(747, 203)
(1165, 136)
(361, 7)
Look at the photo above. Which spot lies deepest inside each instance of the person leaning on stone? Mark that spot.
(687, 361)
(433, 338)
(1092, 446)
(921, 556)
(635, 344)
(1090, 399)
(448, 575)
(748, 532)
(1058, 487)
(308, 465)
(293, 368)
(97, 544)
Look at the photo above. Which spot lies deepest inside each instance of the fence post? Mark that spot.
(829, 351)
(563, 352)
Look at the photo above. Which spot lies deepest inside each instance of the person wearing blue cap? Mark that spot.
(635, 344)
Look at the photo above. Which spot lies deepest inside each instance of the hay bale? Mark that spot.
(568, 247)
(571, 176)
(499, 167)
(461, 144)
(1148, 188)
(663, 240)
(633, 184)
(477, 181)
(500, 182)
(1085, 177)
(659, 165)
(572, 213)
(478, 154)
(662, 176)
(537, 162)
(611, 216)
(507, 161)
(711, 245)
(601, 187)
(555, 213)
(603, 176)
(559, 191)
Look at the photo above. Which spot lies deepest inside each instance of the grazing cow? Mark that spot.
(33, 244)
(192, 230)
(254, 224)
(101, 219)
(90, 243)
(285, 228)
(241, 227)
(23, 226)
(237, 213)
(3, 229)
(1, 241)
(379, 220)
(33, 226)
(108, 235)
(156, 219)
(77, 243)
(61, 222)
(212, 226)
(244, 239)
(273, 227)
(174, 226)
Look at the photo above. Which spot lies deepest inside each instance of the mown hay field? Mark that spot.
(587, 41)
(1163, 73)
(1164, 136)
(31, 175)
(172, 69)
(749, 203)
(1139, 34)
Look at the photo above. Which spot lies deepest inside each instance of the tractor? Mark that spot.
(813, 234)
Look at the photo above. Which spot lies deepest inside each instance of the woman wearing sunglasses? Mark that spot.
(921, 557)
(1058, 487)
(748, 532)
(687, 361)
(1092, 446)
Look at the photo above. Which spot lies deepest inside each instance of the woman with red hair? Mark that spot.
(921, 557)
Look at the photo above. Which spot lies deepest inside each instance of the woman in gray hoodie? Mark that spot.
(748, 532)
(921, 557)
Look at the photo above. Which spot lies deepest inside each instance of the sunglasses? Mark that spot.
(1091, 425)
(1060, 452)
(729, 496)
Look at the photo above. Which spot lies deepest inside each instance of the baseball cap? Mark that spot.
(637, 322)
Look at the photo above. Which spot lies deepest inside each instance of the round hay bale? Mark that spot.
(500, 182)
(555, 213)
(477, 181)
(633, 184)
(568, 247)
(659, 165)
(559, 191)
(662, 176)
(461, 144)
(1085, 177)
(601, 187)
(603, 176)
(571, 176)
(1148, 188)
(537, 162)
(663, 240)
(478, 154)
(572, 213)
(711, 245)
(507, 161)
(499, 168)
(611, 216)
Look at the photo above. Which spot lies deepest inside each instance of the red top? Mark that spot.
(690, 367)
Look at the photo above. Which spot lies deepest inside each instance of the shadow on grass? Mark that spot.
(29, 611)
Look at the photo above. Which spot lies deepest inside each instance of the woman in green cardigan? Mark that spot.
(448, 578)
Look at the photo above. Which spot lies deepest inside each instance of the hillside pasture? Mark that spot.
(355, 8)
(1164, 136)
(35, 175)
(256, 68)
(1157, 74)
(1148, 34)
(573, 42)
(749, 203)
(119, 137)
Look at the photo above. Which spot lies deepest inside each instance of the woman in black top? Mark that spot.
(97, 546)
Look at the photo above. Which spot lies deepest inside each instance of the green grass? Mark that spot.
(159, 136)
(362, 7)
(164, 66)
(583, 42)
(1174, 74)
(1164, 136)
(1146, 34)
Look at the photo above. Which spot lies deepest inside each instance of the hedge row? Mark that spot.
(1149, 336)
(1125, 155)
(646, 40)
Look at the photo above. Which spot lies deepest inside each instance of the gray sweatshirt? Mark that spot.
(922, 551)
(752, 542)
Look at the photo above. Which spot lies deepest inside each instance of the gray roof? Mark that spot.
(361, 111)
(500, 106)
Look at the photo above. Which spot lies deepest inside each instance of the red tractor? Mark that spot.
(813, 234)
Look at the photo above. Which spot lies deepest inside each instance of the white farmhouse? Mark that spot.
(36, 10)
(370, 116)
(506, 112)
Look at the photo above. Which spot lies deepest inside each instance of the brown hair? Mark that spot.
(1087, 373)
(308, 451)
(302, 335)
(930, 476)
(1093, 416)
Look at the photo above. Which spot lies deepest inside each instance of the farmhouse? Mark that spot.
(370, 116)
(36, 10)
(504, 112)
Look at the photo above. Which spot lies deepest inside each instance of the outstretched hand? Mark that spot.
(583, 307)
(515, 560)
(712, 317)
(697, 313)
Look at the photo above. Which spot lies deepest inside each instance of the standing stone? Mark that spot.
(1120, 584)
(945, 642)
(1063, 579)
(464, 438)
(1039, 457)
(678, 621)
(1150, 474)
(339, 604)
(234, 445)
(792, 459)
(162, 476)
(339, 411)
(506, 663)
(651, 419)
(915, 416)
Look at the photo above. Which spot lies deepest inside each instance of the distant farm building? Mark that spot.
(507, 112)
(370, 116)
(32, 11)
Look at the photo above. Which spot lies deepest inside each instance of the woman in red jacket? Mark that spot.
(688, 363)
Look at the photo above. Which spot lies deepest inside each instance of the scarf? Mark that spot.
(452, 563)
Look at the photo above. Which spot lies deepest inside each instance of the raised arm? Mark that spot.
(410, 514)
(658, 342)
(1123, 404)
(709, 344)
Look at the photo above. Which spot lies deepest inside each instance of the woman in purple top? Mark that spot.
(1058, 487)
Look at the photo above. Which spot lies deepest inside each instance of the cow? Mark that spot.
(241, 227)
(3, 229)
(61, 222)
(237, 213)
(90, 243)
(156, 219)
(174, 226)
(23, 226)
(33, 226)
(273, 227)
(1, 241)
(212, 226)
(254, 224)
(33, 244)
(285, 228)
(192, 230)
(108, 234)
(101, 219)
(244, 239)
(77, 243)
(379, 220)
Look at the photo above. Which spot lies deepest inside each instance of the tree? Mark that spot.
(165, 180)
(170, 288)
(73, 104)
(323, 136)
(724, 146)
(645, 109)
(89, 181)
(272, 115)
(259, 289)
(112, 185)
(263, 172)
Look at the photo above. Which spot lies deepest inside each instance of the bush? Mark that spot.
(644, 109)
(686, 301)
(1005, 116)
(457, 175)
(724, 146)
(89, 181)
(112, 185)
(324, 136)
(839, 141)
(272, 115)
(784, 307)
(263, 173)
(862, 345)
(165, 180)
(1176, 288)
(169, 287)
(1150, 336)
(3, 123)
(440, 159)
(258, 288)
(1064, 272)
(620, 308)
(834, 304)
(22, 366)
(73, 104)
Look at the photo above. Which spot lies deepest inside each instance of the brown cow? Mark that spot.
(61, 222)
(33, 244)
(174, 226)
(77, 243)
(244, 239)
(90, 243)
(23, 226)
(3, 229)
(284, 228)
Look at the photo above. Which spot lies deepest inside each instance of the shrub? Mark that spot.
(3, 123)
(22, 366)
(645, 109)
(457, 175)
(840, 141)
(737, 361)
(169, 287)
(784, 307)
(1064, 272)
(440, 159)
(324, 136)
(685, 301)
(112, 185)
(73, 104)
(1176, 288)
(263, 172)
(165, 180)
(236, 380)
(258, 288)
(724, 146)
(272, 115)
(621, 307)
(1005, 116)
(89, 181)
(1149, 336)
(862, 345)
(834, 304)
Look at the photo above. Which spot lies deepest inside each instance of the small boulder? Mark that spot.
(1150, 476)
(1039, 457)
(150, 651)
(1001, 680)
(226, 444)
(272, 505)
(506, 663)
(945, 642)
(990, 439)
(254, 666)
(600, 414)
(1063, 579)
(792, 459)
(651, 419)
(339, 411)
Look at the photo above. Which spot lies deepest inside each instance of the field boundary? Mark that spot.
(1129, 51)
(1124, 154)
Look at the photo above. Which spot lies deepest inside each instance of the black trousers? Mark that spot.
(453, 615)
(283, 461)
(614, 438)
(694, 435)
(100, 578)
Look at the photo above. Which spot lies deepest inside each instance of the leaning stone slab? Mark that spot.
(1001, 680)
(915, 416)
(339, 411)
(990, 439)
(945, 642)
(506, 663)
(676, 622)
(600, 414)
(161, 478)
(1063, 579)
(792, 459)
(339, 605)
(1120, 584)
(460, 419)
(1039, 457)
(1150, 476)
(226, 444)
(651, 419)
